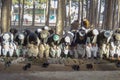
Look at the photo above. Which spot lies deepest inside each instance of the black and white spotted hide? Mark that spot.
(32, 45)
(104, 39)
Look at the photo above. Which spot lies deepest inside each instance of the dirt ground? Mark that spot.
(62, 70)
(62, 75)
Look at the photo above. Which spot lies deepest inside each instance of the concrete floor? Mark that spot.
(62, 75)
